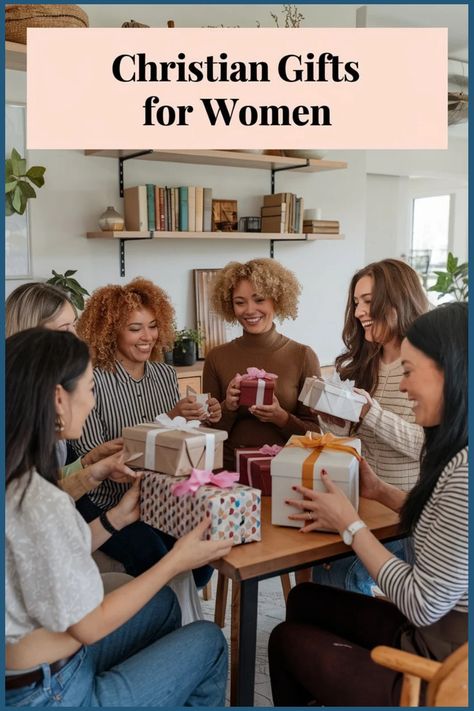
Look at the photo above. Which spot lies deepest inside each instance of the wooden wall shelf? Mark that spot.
(275, 236)
(231, 159)
(15, 56)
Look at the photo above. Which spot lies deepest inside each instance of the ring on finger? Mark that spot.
(310, 516)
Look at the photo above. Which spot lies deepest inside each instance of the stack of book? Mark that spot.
(282, 213)
(322, 227)
(150, 208)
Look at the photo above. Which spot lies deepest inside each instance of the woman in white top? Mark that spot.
(67, 644)
(384, 299)
(321, 654)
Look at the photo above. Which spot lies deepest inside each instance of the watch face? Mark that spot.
(347, 537)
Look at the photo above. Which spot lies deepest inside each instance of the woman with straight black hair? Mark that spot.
(321, 654)
(66, 644)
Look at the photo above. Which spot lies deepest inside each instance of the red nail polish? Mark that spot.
(294, 488)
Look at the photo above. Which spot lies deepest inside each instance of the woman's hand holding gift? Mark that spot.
(273, 413)
(111, 467)
(368, 404)
(127, 510)
(188, 408)
(215, 410)
(329, 510)
(102, 451)
(192, 550)
(232, 395)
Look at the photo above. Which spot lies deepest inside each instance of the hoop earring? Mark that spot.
(59, 424)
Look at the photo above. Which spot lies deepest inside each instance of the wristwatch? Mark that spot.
(351, 530)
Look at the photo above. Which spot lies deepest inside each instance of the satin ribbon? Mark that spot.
(317, 443)
(270, 450)
(201, 477)
(164, 422)
(259, 373)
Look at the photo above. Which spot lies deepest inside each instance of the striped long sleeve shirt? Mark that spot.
(122, 401)
(438, 581)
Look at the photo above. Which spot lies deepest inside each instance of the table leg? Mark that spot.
(243, 642)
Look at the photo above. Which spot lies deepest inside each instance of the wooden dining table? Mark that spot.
(281, 550)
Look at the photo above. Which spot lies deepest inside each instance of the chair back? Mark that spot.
(449, 685)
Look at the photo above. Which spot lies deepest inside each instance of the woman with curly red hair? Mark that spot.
(254, 294)
(126, 328)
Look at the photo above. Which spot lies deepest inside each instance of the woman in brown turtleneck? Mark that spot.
(253, 294)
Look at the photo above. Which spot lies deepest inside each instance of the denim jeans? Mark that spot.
(149, 661)
(138, 546)
(349, 573)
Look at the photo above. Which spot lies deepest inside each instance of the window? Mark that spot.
(431, 220)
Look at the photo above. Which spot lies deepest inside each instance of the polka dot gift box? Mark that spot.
(234, 511)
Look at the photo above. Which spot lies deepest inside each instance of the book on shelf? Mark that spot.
(207, 210)
(150, 200)
(322, 223)
(275, 199)
(224, 216)
(191, 208)
(136, 208)
(199, 209)
(183, 209)
(276, 224)
(273, 210)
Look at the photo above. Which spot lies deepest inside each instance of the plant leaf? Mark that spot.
(17, 201)
(8, 205)
(10, 186)
(452, 263)
(26, 189)
(70, 272)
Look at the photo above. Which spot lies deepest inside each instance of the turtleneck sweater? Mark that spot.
(275, 353)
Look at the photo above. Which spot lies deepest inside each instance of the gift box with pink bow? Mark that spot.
(176, 505)
(253, 466)
(174, 446)
(257, 387)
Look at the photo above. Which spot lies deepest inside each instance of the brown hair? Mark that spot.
(33, 305)
(397, 300)
(269, 278)
(107, 312)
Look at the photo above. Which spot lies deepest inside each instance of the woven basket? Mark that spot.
(19, 17)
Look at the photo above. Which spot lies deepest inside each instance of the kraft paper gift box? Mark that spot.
(253, 466)
(257, 387)
(174, 446)
(234, 511)
(332, 396)
(300, 462)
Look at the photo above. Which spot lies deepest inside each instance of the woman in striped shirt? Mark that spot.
(126, 328)
(383, 301)
(329, 633)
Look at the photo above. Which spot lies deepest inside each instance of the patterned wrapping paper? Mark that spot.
(176, 451)
(235, 512)
(254, 468)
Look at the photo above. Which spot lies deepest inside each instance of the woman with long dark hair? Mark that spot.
(329, 633)
(67, 644)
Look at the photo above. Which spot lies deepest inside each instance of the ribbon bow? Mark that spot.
(258, 373)
(271, 451)
(177, 423)
(317, 443)
(200, 477)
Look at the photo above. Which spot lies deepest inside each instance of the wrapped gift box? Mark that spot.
(257, 387)
(253, 466)
(333, 396)
(174, 451)
(287, 471)
(234, 512)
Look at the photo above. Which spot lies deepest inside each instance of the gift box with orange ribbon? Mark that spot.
(253, 465)
(176, 505)
(300, 463)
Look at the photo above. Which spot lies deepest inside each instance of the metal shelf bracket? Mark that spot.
(272, 185)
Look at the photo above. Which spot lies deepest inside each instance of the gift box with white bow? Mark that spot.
(332, 396)
(177, 505)
(174, 446)
(257, 387)
(300, 463)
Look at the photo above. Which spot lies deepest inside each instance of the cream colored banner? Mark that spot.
(237, 88)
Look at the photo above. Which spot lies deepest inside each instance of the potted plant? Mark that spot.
(185, 342)
(18, 188)
(71, 286)
(454, 281)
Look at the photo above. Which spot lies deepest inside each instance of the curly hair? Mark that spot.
(269, 278)
(107, 311)
(397, 300)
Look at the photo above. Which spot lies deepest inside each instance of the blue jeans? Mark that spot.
(149, 661)
(350, 574)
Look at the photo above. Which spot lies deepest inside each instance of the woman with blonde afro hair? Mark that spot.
(254, 294)
(126, 328)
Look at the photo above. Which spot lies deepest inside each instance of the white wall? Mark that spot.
(78, 188)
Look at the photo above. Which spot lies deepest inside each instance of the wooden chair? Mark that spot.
(223, 588)
(447, 681)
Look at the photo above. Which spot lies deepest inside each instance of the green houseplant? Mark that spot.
(453, 281)
(18, 179)
(185, 343)
(71, 286)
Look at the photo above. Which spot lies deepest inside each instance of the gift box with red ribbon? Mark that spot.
(257, 387)
(253, 466)
(176, 505)
(300, 463)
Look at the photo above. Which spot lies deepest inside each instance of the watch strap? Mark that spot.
(355, 526)
(104, 519)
